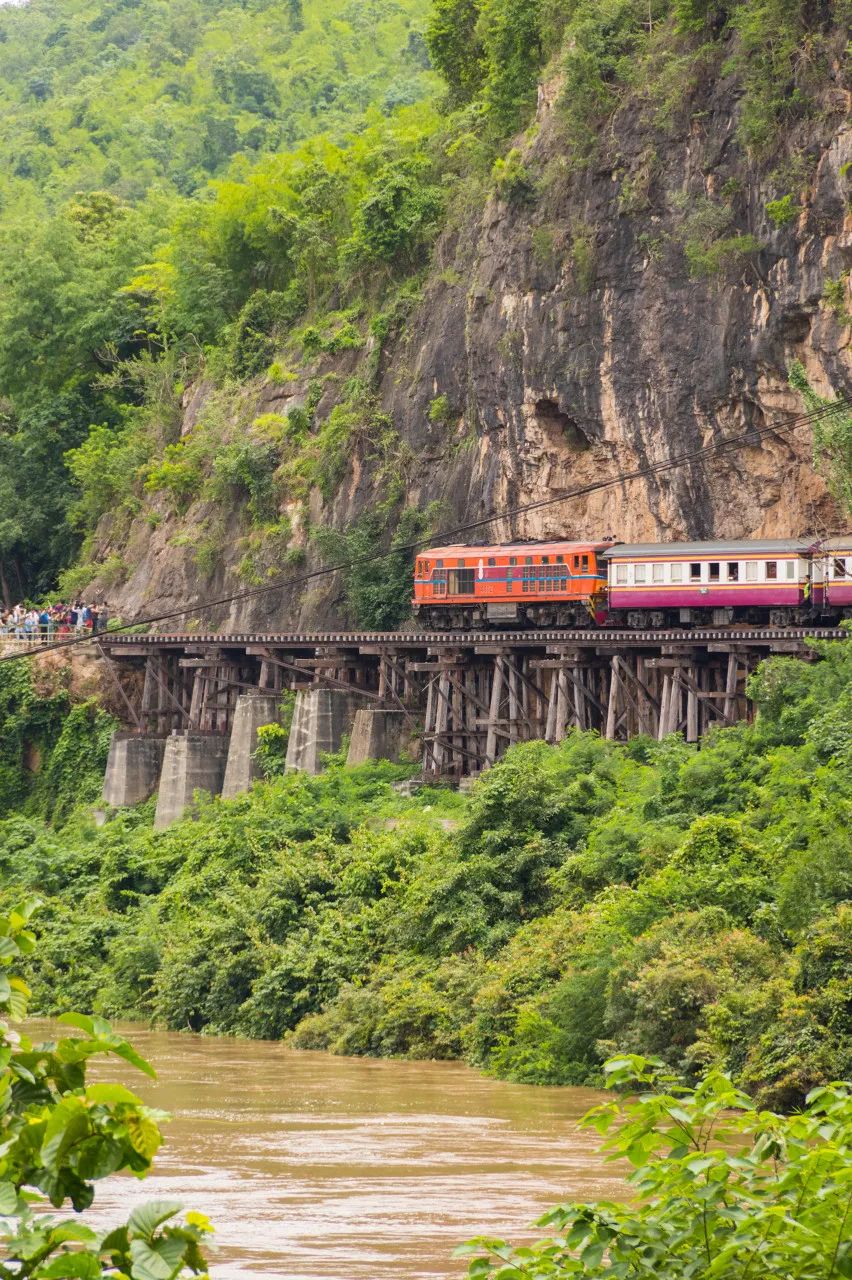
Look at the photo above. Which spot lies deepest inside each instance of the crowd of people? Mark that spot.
(25, 622)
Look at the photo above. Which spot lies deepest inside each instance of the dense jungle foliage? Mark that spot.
(231, 191)
(585, 898)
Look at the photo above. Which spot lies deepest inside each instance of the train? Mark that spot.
(781, 582)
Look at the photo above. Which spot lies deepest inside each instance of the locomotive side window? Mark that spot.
(733, 571)
(676, 571)
(658, 572)
(621, 574)
(751, 571)
(639, 571)
(771, 570)
(714, 568)
(461, 582)
(584, 564)
(491, 562)
(695, 572)
(439, 581)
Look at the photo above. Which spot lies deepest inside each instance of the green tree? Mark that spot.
(456, 48)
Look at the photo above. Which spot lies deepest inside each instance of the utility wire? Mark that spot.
(744, 440)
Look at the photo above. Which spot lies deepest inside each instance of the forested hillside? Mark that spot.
(584, 899)
(273, 290)
(116, 120)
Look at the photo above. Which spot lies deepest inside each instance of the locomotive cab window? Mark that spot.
(584, 564)
(771, 570)
(695, 572)
(733, 571)
(491, 562)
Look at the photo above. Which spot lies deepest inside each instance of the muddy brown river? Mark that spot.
(312, 1166)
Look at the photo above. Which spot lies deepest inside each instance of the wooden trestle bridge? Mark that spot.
(465, 696)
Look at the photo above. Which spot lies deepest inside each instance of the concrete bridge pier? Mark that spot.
(379, 734)
(321, 719)
(252, 711)
(192, 762)
(133, 768)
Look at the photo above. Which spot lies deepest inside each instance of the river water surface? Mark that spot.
(312, 1166)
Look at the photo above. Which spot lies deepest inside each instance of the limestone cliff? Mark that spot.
(595, 319)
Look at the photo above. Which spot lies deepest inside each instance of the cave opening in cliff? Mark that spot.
(557, 423)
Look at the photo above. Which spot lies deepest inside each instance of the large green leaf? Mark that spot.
(161, 1261)
(145, 1220)
(67, 1124)
(72, 1266)
(111, 1094)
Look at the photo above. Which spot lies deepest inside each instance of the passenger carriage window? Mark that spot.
(751, 571)
(658, 572)
(714, 568)
(839, 567)
(621, 574)
(790, 570)
(676, 571)
(639, 572)
(695, 573)
(733, 571)
(771, 570)
(528, 576)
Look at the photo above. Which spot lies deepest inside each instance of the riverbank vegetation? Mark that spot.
(584, 899)
(719, 1189)
(59, 1136)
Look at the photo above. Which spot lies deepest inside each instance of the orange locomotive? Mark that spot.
(547, 584)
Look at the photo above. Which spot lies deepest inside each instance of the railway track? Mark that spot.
(471, 639)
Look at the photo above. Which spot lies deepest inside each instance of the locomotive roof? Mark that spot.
(513, 548)
(718, 547)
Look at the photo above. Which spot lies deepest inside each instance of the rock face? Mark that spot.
(616, 317)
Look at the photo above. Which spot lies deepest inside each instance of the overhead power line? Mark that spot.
(743, 440)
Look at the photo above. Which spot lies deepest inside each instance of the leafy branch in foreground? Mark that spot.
(721, 1189)
(58, 1136)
